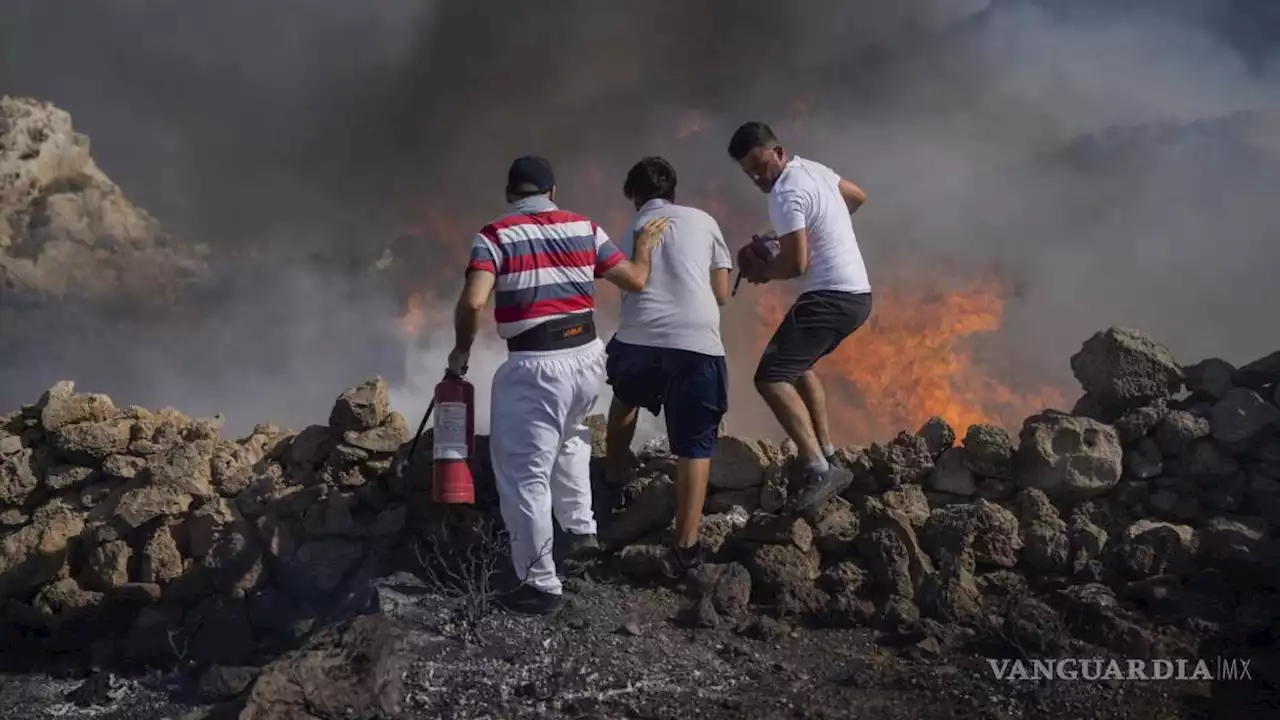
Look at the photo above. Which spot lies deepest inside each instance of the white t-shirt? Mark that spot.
(677, 308)
(807, 195)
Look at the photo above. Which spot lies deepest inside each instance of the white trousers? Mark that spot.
(541, 451)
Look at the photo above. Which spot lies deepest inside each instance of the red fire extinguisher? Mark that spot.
(454, 438)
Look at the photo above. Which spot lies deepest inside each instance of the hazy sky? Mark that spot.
(1096, 157)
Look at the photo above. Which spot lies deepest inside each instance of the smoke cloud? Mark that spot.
(1115, 165)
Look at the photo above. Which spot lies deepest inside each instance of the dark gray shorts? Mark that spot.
(812, 329)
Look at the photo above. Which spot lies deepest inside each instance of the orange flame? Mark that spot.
(914, 359)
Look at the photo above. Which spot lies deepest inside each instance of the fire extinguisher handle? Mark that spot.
(449, 373)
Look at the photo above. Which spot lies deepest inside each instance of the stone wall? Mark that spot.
(140, 537)
(144, 537)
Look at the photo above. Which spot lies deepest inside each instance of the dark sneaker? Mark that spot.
(529, 600)
(679, 561)
(581, 548)
(821, 488)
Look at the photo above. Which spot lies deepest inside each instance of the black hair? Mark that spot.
(650, 178)
(523, 193)
(750, 136)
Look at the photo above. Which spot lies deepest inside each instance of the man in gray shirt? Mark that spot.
(667, 354)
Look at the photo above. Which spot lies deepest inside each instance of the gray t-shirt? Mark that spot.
(677, 309)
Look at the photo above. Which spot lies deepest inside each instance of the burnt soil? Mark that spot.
(622, 651)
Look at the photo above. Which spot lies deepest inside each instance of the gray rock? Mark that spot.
(738, 464)
(1241, 415)
(220, 682)
(892, 555)
(89, 443)
(304, 684)
(1204, 461)
(1045, 542)
(36, 553)
(1148, 548)
(937, 434)
(1087, 543)
(1069, 458)
(989, 450)
(384, 439)
(995, 489)
(1175, 433)
(952, 473)
(905, 459)
(1123, 369)
(725, 500)
(1143, 461)
(1227, 494)
(785, 575)
(653, 508)
(965, 536)
(1236, 540)
(835, 529)
(1263, 497)
(362, 407)
(319, 566)
(764, 529)
(107, 567)
(1090, 407)
(911, 501)
(61, 406)
(10, 444)
(18, 477)
(728, 586)
(1212, 377)
(1139, 422)
(950, 596)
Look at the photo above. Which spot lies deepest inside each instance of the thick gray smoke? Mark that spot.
(1115, 165)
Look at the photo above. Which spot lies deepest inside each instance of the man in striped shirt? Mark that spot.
(543, 261)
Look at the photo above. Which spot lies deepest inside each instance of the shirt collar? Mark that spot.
(654, 204)
(533, 204)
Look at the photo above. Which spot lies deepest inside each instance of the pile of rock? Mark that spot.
(143, 537)
(1146, 495)
(1145, 520)
(66, 230)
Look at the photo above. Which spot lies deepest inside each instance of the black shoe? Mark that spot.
(529, 600)
(822, 487)
(581, 548)
(679, 561)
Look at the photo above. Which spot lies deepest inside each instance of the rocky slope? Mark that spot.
(293, 575)
(65, 229)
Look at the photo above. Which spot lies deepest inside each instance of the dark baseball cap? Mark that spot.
(530, 174)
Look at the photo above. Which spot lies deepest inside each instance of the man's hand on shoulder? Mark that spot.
(649, 236)
(632, 275)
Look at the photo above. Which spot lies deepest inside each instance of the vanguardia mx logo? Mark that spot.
(1220, 668)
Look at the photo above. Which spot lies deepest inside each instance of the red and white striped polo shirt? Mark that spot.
(546, 261)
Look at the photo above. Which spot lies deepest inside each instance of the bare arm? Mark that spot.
(632, 275)
(471, 302)
(720, 285)
(853, 195)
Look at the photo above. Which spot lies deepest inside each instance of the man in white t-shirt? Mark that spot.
(667, 356)
(810, 208)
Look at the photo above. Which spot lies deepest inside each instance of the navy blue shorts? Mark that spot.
(692, 388)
